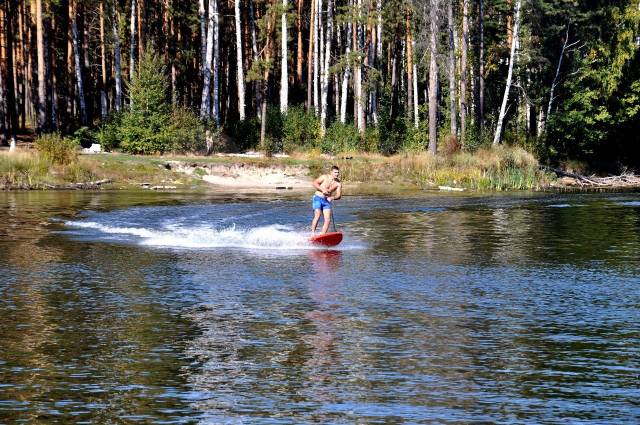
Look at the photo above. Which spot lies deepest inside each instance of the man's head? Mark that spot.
(335, 172)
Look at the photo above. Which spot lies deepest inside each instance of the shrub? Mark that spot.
(301, 129)
(108, 133)
(246, 133)
(57, 149)
(84, 137)
(340, 138)
(186, 131)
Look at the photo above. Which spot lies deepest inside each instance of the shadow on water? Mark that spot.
(435, 309)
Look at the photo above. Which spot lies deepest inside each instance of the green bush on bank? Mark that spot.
(57, 149)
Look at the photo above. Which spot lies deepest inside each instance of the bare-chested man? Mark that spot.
(325, 186)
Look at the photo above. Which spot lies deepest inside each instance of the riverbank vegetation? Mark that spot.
(475, 84)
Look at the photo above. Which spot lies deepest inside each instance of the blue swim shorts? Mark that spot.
(320, 203)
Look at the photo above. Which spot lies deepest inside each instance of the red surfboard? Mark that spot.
(327, 239)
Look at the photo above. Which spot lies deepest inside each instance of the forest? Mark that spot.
(560, 78)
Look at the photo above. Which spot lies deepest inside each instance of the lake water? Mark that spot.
(176, 308)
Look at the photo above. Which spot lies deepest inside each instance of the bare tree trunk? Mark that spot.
(316, 57)
(310, 62)
(359, 97)
(345, 78)
(76, 61)
(216, 61)
(117, 57)
(103, 66)
(554, 83)
(325, 70)
(299, 58)
(254, 50)
(452, 70)
(240, 69)
(265, 85)
(463, 70)
(481, 67)
(10, 83)
(505, 98)
(410, 75)
(416, 115)
(205, 105)
(42, 88)
(202, 15)
(132, 54)
(284, 76)
(433, 77)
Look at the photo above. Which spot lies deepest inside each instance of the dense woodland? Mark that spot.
(559, 77)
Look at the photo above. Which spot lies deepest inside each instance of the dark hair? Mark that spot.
(335, 167)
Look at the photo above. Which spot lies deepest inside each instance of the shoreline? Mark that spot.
(362, 173)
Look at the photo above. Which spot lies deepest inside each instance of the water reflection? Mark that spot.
(436, 310)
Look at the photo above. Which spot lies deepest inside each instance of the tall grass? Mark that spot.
(501, 168)
(22, 170)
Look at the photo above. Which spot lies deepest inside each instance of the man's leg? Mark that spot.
(327, 220)
(314, 222)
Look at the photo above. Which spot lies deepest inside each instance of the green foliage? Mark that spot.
(84, 137)
(186, 131)
(108, 131)
(246, 133)
(340, 138)
(599, 116)
(146, 127)
(56, 149)
(301, 129)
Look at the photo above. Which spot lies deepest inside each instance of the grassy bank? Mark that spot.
(501, 168)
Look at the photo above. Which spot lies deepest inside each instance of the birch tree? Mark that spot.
(512, 57)
(205, 105)
(433, 76)
(239, 61)
(325, 70)
(76, 61)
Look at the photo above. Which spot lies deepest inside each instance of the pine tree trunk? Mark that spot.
(316, 57)
(481, 67)
(433, 77)
(452, 70)
(42, 81)
(103, 66)
(205, 105)
(345, 78)
(409, 63)
(284, 76)
(310, 54)
(254, 49)
(463, 71)
(117, 57)
(265, 85)
(76, 61)
(512, 57)
(240, 68)
(10, 83)
(299, 58)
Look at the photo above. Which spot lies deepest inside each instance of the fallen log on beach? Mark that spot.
(624, 180)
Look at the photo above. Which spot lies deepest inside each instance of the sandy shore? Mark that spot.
(247, 176)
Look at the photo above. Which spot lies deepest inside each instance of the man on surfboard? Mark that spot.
(328, 189)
